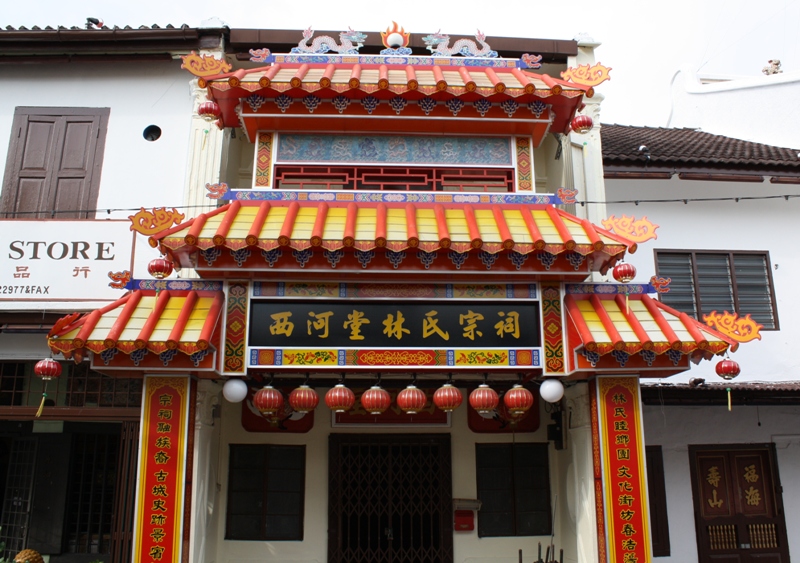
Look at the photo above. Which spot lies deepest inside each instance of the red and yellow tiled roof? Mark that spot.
(608, 323)
(366, 226)
(143, 320)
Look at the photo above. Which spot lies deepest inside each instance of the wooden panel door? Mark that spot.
(738, 506)
(54, 162)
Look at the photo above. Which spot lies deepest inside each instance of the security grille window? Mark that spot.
(54, 161)
(703, 282)
(266, 490)
(514, 490)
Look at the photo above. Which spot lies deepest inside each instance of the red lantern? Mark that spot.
(447, 398)
(411, 400)
(303, 399)
(209, 111)
(340, 398)
(624, 272)
(582, 124)
(484, 399)
(47, 369)
(160, 268)
(518, 400)
(268, 400)
(375, 400)
(728, 369)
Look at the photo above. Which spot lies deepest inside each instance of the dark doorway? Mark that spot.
(738, 505)
(390, 499)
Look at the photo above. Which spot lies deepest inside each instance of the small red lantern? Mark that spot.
(728, 369)
(518, 400)
(209, 111)
(303, 399)
(484, 399)
(268, 400)
(160, 268)
(624, 272)
(447, 398)
(340, 398)
(376, 400)
(411, 400)
(47, 369)
(582, 124)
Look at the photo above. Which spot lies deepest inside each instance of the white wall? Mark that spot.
(136, 173)
(675, 428)
(468, 548)
(759, 108)
(767, 225)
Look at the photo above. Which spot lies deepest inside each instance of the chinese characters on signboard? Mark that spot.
(389, 324)
(159, 514)
(625, 497)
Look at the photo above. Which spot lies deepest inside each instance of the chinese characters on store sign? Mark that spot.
(377, 324)
(160, 498)
(623, 469)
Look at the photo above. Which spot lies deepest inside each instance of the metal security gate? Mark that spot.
(390, 499)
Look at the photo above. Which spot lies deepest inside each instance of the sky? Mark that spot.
(644, 42)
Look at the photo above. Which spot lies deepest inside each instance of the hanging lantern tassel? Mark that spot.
(729, 399)
(41, 405)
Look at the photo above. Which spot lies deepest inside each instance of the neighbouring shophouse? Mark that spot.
(391, 264)
(716, 211)
(96, 125)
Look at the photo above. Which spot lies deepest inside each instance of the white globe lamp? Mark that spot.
(551, 390)
(234, 390)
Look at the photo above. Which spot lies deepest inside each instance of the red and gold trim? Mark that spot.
(623, 469)
(552, 328)
(162, 468)
(264, 145)
(236, 310)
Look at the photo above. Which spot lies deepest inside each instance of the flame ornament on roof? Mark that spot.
(587, 75)
(352, 41)
(638, 230)
(741, 329)
(439, 46)
(151, 222)
(395, 39)
(204, 66)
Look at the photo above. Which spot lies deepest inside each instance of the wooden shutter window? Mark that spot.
(54, 162)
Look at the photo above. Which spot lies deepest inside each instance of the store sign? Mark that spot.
(623, 470)
(58, 261)
(162, 468)
(388, 324)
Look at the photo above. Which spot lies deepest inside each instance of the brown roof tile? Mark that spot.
(658, 149)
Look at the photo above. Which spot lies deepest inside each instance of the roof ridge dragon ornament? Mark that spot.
(439, 45)
(351, 40)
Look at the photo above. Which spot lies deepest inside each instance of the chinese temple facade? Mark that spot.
(392, 332)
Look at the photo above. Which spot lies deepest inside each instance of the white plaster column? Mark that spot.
(207, 144)
(202, 539)
(582, 483)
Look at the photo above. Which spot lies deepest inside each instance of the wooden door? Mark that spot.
(738, 506)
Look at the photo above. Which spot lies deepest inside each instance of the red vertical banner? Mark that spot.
(623, 469)
(162, 467)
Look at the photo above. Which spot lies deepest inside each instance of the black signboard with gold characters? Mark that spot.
(393, 324)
